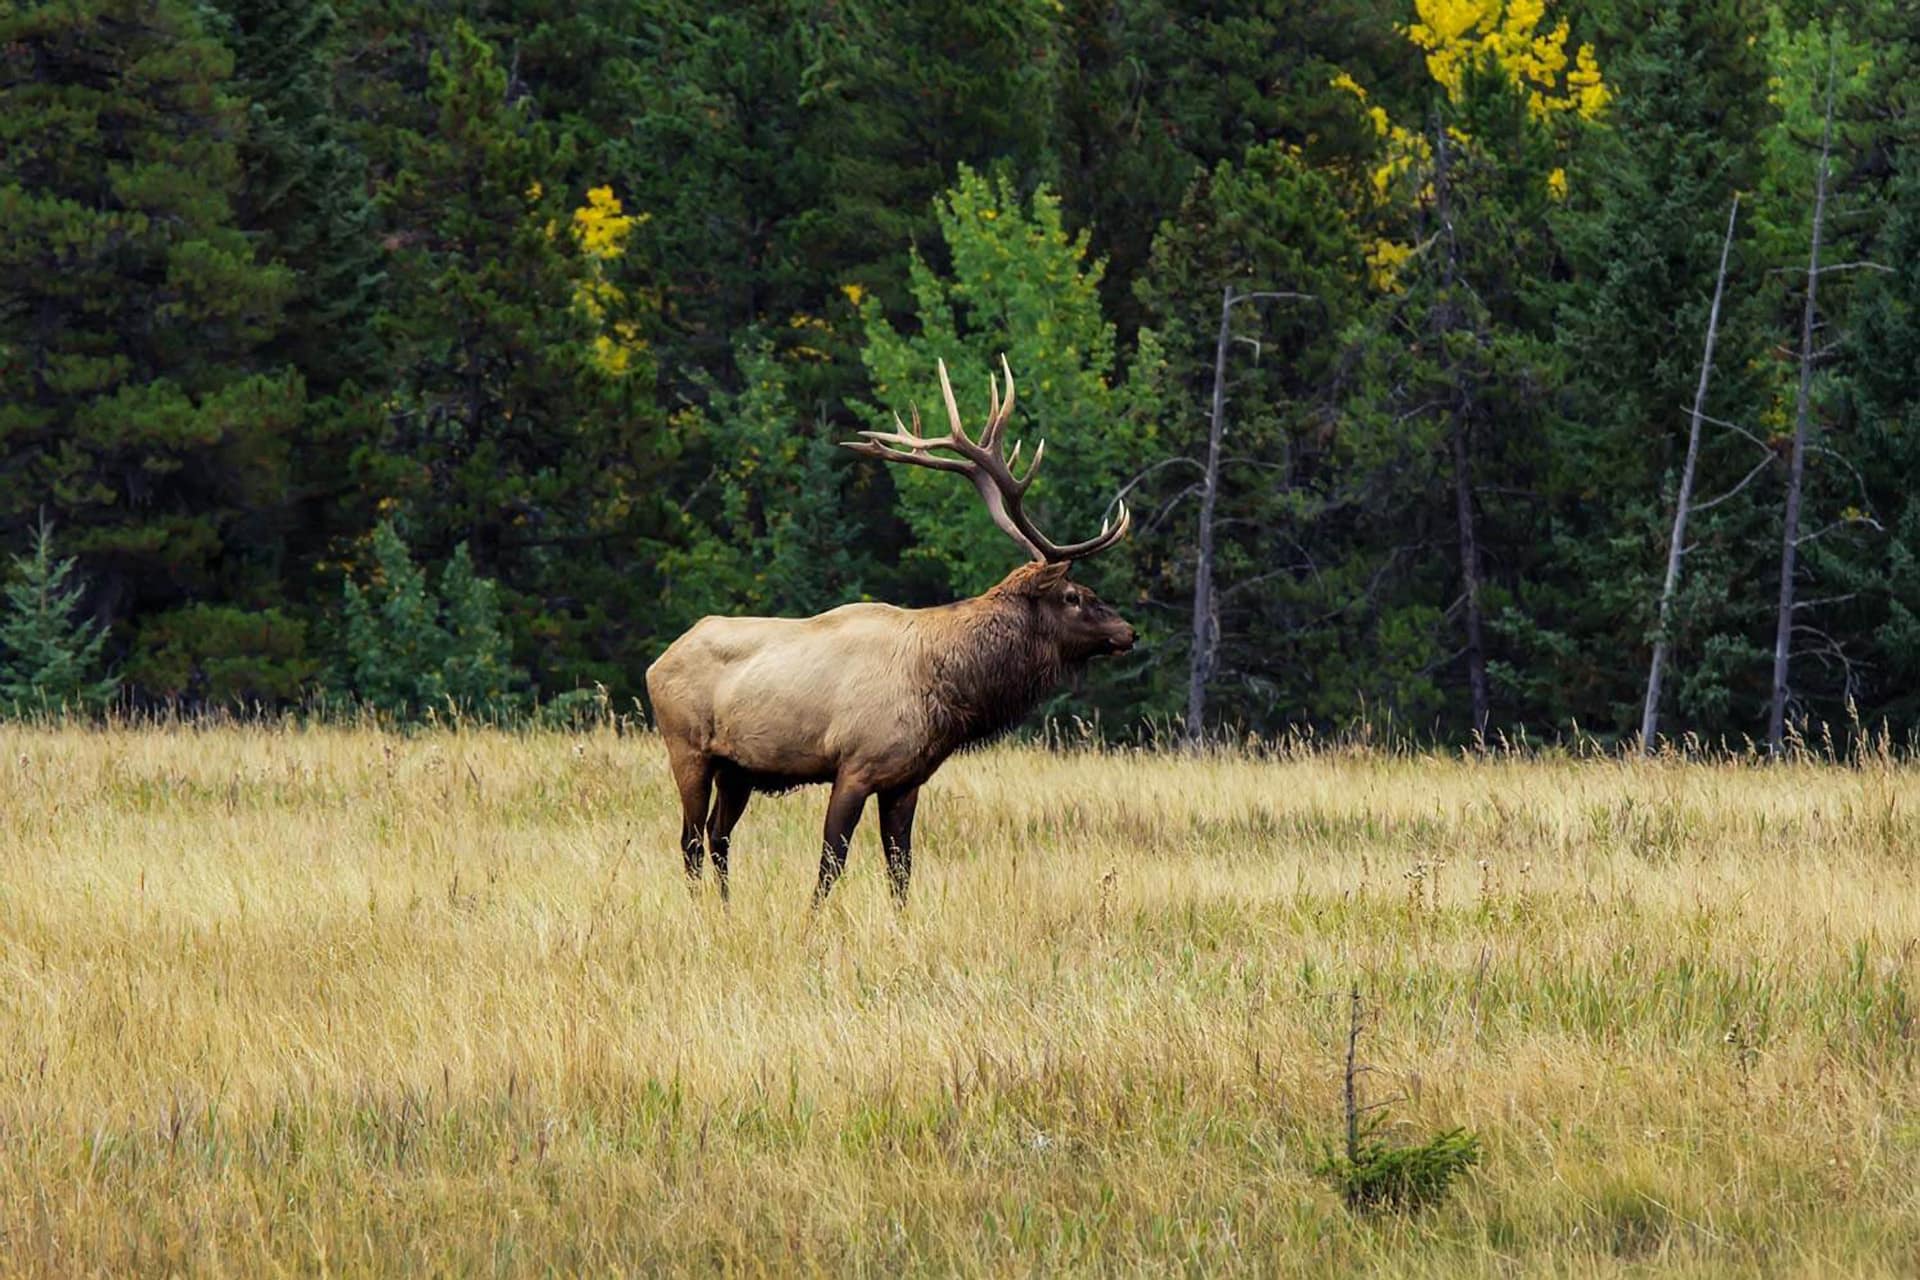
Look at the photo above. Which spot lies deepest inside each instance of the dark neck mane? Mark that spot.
(988, 664)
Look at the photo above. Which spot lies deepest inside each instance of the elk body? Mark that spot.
(870, 698)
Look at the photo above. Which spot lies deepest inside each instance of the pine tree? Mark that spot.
(137, 404)
(49, 658)
(304, 191)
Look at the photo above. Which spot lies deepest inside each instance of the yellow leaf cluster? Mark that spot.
(601, 227)
(1384, 258)
(1458, 34)
(615, 351)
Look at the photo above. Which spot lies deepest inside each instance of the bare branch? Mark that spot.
(1267, 295)
(1167, 508)
(1830, 268)
(1180, 460)
(1859, 481)
(1745, 480)
(1841, 523)
(1734, 426)
(1814, 604)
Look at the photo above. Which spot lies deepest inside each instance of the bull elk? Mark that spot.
(869, 697)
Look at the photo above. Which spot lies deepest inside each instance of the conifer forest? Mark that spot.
(1470, 367)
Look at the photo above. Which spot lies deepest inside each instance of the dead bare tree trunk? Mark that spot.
(1797, 465)
(1206, 625)
(1206, 619)
(1677, 549)
(1470, 575)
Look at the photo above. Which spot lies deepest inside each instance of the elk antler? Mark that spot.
(989, 467)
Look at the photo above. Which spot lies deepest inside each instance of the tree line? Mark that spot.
(1470, 365)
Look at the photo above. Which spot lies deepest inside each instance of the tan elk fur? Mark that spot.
(878, 692)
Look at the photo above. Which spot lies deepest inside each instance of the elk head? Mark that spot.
(1078, 621)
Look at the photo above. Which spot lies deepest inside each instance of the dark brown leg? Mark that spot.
(693, 775)
(896, 837)
(843, 815)
(730, 797)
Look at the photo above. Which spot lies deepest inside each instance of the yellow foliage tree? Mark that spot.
(1458, 35)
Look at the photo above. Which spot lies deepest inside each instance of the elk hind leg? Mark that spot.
(896, 837)
(693, 776)
(730, 795)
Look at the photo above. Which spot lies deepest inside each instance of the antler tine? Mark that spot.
(1001, 411)
(1106, 537)
(1039, 452)
(953, 406)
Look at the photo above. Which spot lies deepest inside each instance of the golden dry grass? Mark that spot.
(338, 1002)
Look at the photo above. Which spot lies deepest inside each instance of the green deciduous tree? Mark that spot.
(1019, 285)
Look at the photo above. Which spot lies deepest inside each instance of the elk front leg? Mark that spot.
(896, 836)
(843, 815)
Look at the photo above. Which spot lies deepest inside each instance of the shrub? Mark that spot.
(410, 650)
(221, 655)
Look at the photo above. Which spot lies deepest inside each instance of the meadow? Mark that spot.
(332, 1001)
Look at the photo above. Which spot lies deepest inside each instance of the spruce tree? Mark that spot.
(1683, 135)
(49, 658)
(411, 650)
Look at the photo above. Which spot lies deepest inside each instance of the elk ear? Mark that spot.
(1043, 579)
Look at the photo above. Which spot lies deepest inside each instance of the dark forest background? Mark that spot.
(435, 353)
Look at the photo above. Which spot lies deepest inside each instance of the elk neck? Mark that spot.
(988, 661)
